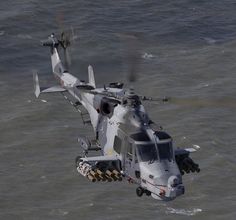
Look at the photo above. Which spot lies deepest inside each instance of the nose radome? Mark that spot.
(175, 188)
(173, 181)
(172, 188)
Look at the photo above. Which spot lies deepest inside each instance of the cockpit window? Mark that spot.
(162, 135)
(141, 136)
(165, 151)
(117, 144)
(147, 152)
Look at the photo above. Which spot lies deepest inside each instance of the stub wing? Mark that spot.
(100, 158)
(38, 90)
(100, 168)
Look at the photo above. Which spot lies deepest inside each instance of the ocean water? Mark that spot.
(187, 51)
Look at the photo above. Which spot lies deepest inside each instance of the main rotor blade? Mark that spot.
(146, 98)
(132, 55)
(67, 59)
(133, 60)
(195, 102)
(68, 37)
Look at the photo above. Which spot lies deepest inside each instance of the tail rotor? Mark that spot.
(65, 42)
(67, 39)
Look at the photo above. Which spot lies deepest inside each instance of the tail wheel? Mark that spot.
(139, 191)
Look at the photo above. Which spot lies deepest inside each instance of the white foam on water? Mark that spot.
(186, 212)
(43, 100)
(58, 212)
(147, 56)
(202, 85)
(210, 40)
(213, 142)
(24, 36)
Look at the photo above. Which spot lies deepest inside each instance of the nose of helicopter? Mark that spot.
(173, 189)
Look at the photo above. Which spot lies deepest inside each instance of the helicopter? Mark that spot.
(131, 146)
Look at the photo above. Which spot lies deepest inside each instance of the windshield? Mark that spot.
(165, 151)
(147, 152)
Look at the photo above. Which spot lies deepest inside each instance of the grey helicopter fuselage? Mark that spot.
(123, 131)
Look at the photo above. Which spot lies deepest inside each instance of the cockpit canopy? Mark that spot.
(140, 136)
(164, 145)
(165, 151)
(162, 135)
(152, 150)
(147, 152)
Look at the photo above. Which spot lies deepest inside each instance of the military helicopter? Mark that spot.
(132, 147)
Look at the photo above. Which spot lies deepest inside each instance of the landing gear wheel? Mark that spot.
(148, 193)
(139, 191)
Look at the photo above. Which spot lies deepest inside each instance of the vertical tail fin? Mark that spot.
(53, 43)
(91, 76)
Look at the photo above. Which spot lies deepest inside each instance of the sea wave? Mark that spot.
(24, 36)
(147, 56)
(187, 212)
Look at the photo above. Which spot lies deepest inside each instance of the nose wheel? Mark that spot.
(140, 191)
(148, 193)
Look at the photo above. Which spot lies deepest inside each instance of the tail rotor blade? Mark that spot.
(67, 58)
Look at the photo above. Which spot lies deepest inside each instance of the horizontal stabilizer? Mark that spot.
(38, 89)
(50, 42)
(52, 89)
(100, 158)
